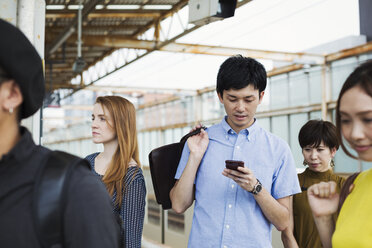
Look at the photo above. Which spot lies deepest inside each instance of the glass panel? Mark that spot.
(203, 108)
(153, 211)
(218, 107)
(168, 136)
(178, 109)
(279, 125)
(315, 115)
(366, 165)
(279, 92)
(298, 88)
(154, 140)
(176, 222)
(177, 132)
(295, 124)
(264, 123)
(139, 117)
(185, 130)
(147, 143)
(340, 70)
(190, 116)
(265, 104)
(142, 156)
(344, 163)
(315, 85)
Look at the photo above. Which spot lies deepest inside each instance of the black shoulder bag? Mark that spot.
(163, 167)
(49, 197)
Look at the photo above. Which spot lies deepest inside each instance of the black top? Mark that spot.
(132, 210)
(88, 219)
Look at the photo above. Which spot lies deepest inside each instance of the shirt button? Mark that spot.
(227, 226)
(230, 206)
(232, 186)
(224, 246)
(227, 137)
(237, 147)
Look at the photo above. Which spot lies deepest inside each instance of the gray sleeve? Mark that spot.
(89, 220)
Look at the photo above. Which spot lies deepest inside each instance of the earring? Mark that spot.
(304, 163)
(332, 163)
(10, 110)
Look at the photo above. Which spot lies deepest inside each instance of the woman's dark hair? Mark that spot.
(360, 77)
(345, 190)
(315, 131)
(237, 72)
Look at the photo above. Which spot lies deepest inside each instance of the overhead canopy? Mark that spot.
(107, 25)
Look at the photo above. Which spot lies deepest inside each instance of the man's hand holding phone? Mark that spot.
(241, 175)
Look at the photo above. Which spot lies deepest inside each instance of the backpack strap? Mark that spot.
(49, 197)
(196, 131)
(163, 163)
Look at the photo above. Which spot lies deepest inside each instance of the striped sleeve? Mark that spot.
(132, 209)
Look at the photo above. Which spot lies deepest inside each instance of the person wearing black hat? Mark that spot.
(87, 217)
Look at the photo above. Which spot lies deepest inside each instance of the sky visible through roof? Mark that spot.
(277, 25)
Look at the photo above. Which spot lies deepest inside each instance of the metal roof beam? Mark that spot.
(300, 57)
(106, 15)
(119, 42)
(124, 89)
(69, 30)
(94, 27)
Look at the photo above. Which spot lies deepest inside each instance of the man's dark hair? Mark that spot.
(316, 131)
(237, 72)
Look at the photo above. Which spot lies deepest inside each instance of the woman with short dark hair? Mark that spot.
(319, 142)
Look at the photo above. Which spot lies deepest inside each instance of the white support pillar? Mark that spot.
(8, 11)
(28, 16)
(326, 93)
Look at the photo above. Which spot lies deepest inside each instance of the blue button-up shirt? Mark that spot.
(225, 215)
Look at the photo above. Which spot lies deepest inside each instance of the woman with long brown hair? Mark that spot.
(354, 122)
(114, 126)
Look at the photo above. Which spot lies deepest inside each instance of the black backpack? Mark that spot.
(49, 196)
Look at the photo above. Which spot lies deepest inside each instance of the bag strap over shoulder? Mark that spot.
(196, 131)
(163, 163)
(49, 197)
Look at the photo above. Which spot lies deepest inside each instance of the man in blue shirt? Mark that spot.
(236, 208)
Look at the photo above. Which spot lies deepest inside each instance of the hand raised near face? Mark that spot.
(323, 198)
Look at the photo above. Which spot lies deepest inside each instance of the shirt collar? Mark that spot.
(22, 149)
(246, 131)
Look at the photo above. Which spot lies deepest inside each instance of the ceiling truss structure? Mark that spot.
(100, 18)
(155, 23)
(116, 35)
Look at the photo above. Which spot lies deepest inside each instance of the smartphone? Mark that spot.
(234, 164)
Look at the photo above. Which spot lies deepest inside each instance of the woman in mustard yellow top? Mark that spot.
(319, 142)
(354, 121)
